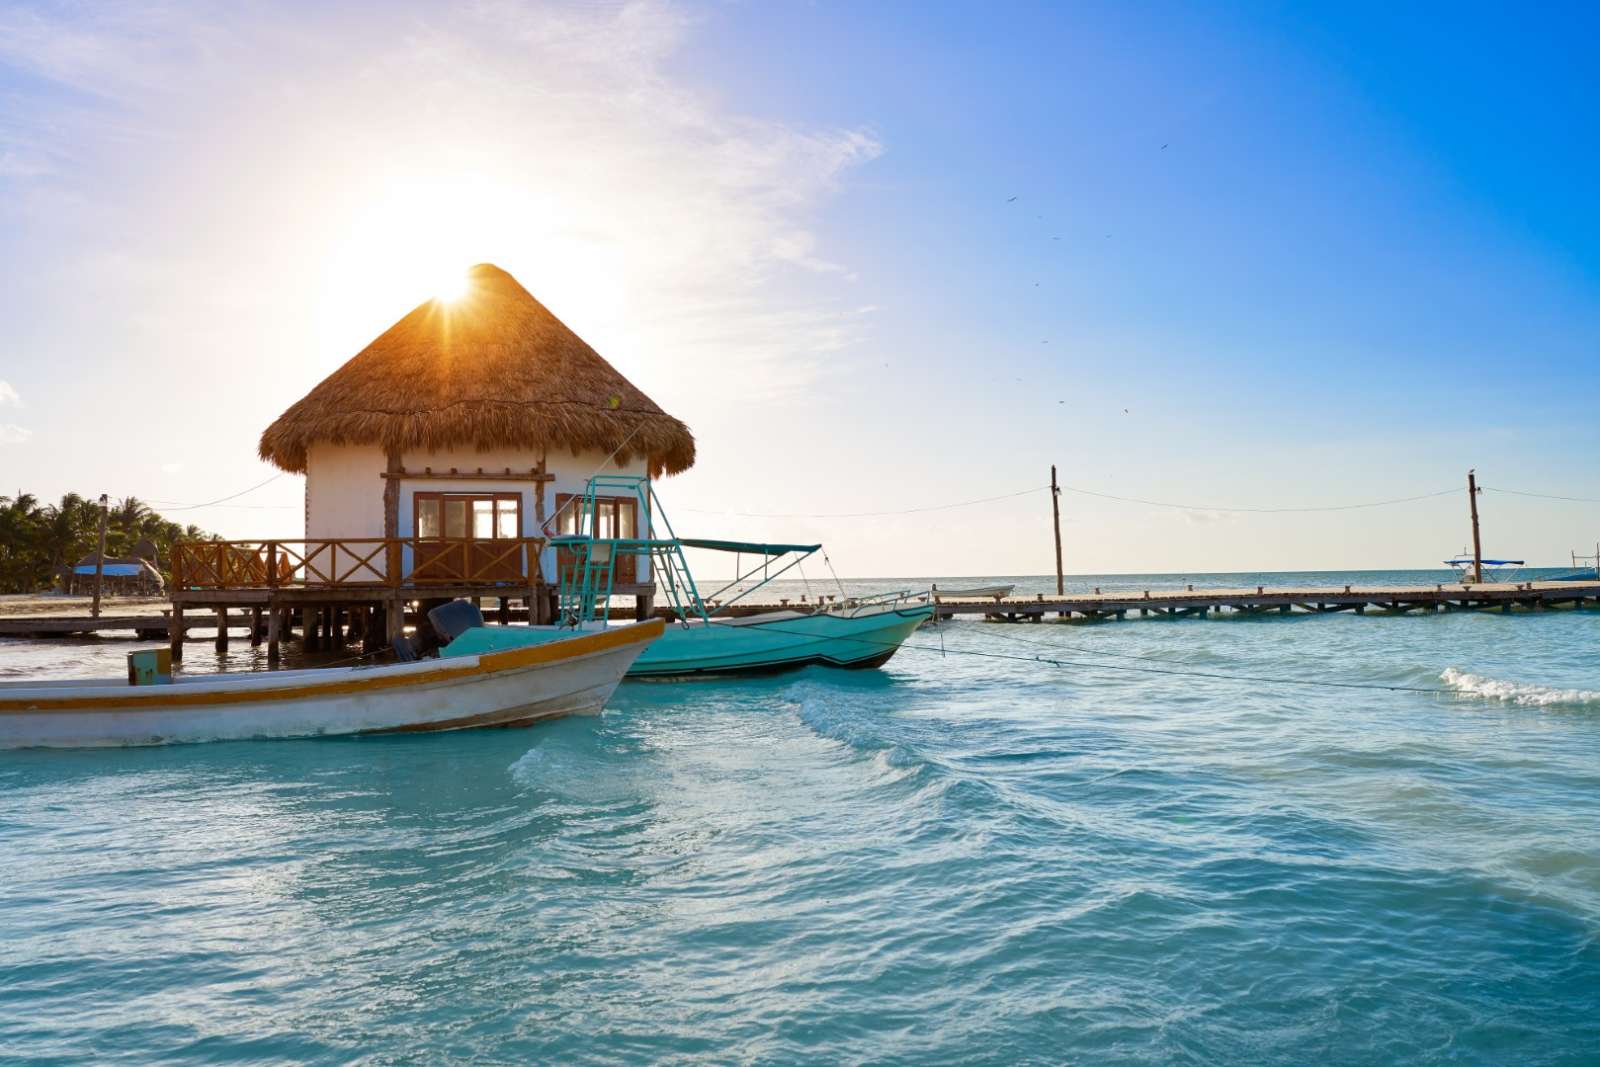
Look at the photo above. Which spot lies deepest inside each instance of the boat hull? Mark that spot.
(753, 645)
(509, 688)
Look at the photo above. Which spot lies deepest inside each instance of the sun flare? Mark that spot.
(450, 287)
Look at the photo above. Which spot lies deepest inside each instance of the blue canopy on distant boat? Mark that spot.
(1488, 562)
(112, 570)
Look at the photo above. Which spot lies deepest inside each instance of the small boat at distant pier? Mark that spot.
(978, 592)
(1493, 570)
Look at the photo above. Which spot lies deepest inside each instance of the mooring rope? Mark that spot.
(1055, 661)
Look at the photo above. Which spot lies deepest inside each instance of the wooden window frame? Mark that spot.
(440, 496)
(628, 574)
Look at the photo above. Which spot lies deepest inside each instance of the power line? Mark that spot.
(1545, 496)
(867, 514)
(1081, 492)
(1260, 511)
(225, 499)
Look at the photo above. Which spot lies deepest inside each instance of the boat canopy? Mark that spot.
(745, 546)
(758, 548)
(1488, 562)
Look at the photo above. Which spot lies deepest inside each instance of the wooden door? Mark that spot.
(466, 537)
(615, 517)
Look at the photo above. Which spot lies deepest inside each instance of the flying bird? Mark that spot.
(1012, 200)
(1163, 148)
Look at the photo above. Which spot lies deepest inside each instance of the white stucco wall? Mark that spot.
(344, 491)
(344, 485)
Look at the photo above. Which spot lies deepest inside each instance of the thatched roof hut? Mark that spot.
(493, 369)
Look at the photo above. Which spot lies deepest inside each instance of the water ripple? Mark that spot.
(950, 860)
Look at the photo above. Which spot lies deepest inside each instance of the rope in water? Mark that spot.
(1060, 663)
(1055, 661)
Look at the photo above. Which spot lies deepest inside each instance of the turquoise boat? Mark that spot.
(851, 632)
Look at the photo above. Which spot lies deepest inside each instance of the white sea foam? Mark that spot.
(1524, 693)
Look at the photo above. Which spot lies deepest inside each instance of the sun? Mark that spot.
(451, 287)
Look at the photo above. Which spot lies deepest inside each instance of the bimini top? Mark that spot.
(494, 369)
(752, 547)
(1487, 563)
(755, 548)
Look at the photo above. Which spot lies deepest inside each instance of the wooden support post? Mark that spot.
(1055, 511)
(275, 617)
(503, 615)
(100, 557)
(222, 629)
(255, 627)
(1477, 543)
(313, 629)
(391, 519)
(175, 632)
(394, 619)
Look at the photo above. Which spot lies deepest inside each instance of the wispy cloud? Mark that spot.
(12, 434)
(658, 220)
(8, 395)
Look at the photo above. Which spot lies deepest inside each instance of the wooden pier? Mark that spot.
(319, 630)
(1260, 600)
(146, 626)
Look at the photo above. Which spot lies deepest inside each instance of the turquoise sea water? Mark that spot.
(953, 859)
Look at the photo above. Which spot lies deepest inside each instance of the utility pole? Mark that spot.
(100, 557)
(1477, 543)
(1055, 509)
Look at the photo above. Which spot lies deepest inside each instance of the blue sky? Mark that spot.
(1256, 256)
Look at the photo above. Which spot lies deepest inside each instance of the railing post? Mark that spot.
(272, 564)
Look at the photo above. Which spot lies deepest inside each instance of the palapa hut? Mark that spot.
(119, 576)
(477, 419)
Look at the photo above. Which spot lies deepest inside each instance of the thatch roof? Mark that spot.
(492, 369)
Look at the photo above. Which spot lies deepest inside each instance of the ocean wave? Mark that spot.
(1525, 694)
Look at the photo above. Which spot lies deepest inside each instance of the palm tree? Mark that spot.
(36, 543)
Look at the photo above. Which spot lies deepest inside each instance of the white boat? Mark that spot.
(978, 592)
(572, 676)
(1467, 569)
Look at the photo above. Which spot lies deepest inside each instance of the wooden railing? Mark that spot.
(348, 562)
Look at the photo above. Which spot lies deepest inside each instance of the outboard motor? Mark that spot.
(446, 623)
(452, 620)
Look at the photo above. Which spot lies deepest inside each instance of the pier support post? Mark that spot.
(222, 629)
(274, 634)
(175, 632)
(394, 619)
(255, 627)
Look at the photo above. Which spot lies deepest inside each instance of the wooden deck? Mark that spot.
(149, 624)
(308, 611)
(1190, 602)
